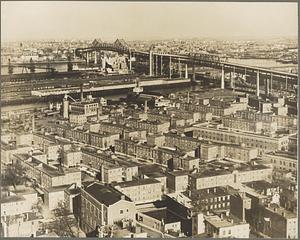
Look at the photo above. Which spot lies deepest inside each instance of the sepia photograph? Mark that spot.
(149, 119)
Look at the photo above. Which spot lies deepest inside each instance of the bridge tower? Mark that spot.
(179, 68)
(70, 64)
(87, 58)
(257, 84)
(31, 66)
(150, 63)
(156, 65)
(161, 65)
(232, 76)
(10, 67)
(130, 61)
(186, 71)
(170, 68)
(194, 72)
(271, 82)
(95, 60)
(267, 86)
(223, 78)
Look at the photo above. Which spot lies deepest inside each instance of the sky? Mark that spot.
(146, 20)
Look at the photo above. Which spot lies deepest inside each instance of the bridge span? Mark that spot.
(162, 63)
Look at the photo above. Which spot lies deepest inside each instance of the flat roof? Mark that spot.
(282, 211)
(283, 154)
(179, 173)
(163, 214)
(138, 182)
(9, 199)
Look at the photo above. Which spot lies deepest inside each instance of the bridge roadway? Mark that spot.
(142, 83)
(40, 63)
(203, 59)
(214, 62)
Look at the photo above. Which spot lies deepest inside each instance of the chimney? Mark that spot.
(33, 123)
(81, 93)
(208, 190)
(215, 190)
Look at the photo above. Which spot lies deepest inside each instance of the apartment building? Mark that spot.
(7, 151)
(47, 175)
(282, 160)
(72, 158)
(151, 126)
(77, 118)
(141, 190)
(116, 128)
(263, 143)
(18, 219)
(282, 121)
(210, 178)
(223, 227)
(178, 181)
(242, 124)
(112, 169)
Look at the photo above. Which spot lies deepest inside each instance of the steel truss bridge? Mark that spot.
(163, 63)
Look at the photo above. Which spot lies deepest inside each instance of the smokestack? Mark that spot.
(81, 92)
(146, 106)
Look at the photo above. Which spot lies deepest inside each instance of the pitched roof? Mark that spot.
(105, 194)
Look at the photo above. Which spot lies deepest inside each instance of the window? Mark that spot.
(121, 211)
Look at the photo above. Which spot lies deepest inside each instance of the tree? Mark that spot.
(13, 175)
(64, 224)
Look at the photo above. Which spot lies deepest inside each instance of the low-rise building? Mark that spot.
(72, 158)
(242, 124)
(103, 205)
(282, 160)
(19, 217)
(47, 175)
(178, 181)
(24, 138)
(215, 177)
(226, 227)
(141, 190)
(222, 135)
(84, 108)
(78, 119)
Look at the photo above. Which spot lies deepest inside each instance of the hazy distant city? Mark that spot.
(168, 138)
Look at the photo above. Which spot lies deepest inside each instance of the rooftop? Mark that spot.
(218, 222)
(138, 182)
(163, 215)
(283, 212)
(105, 194)
(283, 154)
